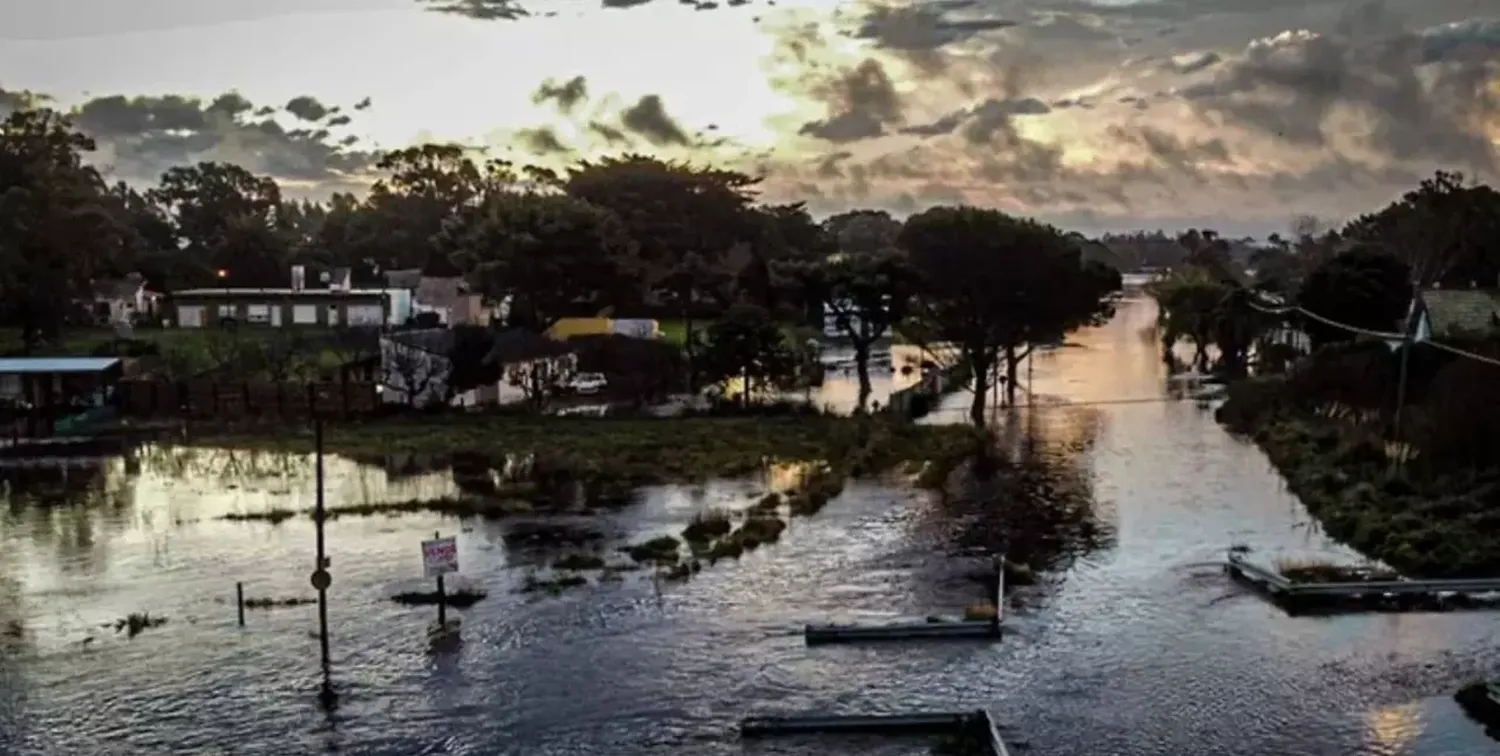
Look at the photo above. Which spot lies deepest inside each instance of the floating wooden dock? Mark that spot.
(823, 634)
(1280, 587)
(889, 724)
(1279, 584)
(899, 631)
(755, 727)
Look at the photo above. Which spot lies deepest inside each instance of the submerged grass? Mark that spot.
(461, 598)
(640, 450)
(1320, 571)
(137, 622)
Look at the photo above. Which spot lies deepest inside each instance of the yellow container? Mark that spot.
(567, 328)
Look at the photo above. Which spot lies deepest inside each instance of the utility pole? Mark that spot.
(1407, 340)
(320, 577)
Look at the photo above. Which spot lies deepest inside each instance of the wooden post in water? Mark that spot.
(442, 595)
(239, 600)
(999, 593)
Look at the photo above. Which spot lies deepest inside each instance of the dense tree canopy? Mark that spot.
(993, 285)
(1364, 288)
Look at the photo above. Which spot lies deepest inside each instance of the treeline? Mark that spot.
(1329, 312)
(630, 235)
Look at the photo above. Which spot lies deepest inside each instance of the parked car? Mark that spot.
(586, 384)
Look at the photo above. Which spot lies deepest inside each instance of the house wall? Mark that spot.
(321, 311)
(507, 392)
(405, 370)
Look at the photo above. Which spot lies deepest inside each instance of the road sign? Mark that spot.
(321, 580)
(439, 556)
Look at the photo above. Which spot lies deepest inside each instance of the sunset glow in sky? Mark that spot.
(1104, 114)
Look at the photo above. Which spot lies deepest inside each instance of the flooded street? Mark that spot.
(1139, 648)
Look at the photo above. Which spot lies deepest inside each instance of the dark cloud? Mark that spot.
(648, 117)
(612, 135)
(863, 102)
(566, 95)
(1423, 96)
(484, 10)
(541, 141)
(511, 10)
(922, 27)
(307, 108)
(983, 118)
(140, 137)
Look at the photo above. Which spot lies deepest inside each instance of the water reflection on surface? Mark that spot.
(1136, 646)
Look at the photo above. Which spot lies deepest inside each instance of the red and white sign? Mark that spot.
(439, 556)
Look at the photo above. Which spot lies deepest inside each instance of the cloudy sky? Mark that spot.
(1097, 114)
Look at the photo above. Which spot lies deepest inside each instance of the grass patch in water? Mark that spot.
(136, 623)
(267, 602)
(1319, 571)
(461, 598)
(707, 526)
(661, 550)
(453, 506)
(640, 450)
(554, 585)
(578, 561)
(771, 502)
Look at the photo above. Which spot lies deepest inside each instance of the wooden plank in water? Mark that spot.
(903, 631)
(832, 723)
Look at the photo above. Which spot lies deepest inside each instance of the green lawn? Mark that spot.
(186, 351)
(674, 331)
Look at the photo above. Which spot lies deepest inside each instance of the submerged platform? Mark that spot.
(823, 634)
(913, 723)
(1481, 701)
(1388, 594)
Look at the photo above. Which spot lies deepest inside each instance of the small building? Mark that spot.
(122, 300)
(449, 298)
(45, 396)
(1456, 314)
(200, 308)
(467, 366)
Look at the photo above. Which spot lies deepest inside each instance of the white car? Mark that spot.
(587, 384)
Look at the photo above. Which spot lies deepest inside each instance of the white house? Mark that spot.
(465, 367)
(122, 300)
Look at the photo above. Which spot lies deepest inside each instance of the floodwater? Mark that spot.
(1137, 648)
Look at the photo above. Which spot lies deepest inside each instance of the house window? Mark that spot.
(189, 316)
(226, 311)
(333, 314)
(258, 313)
(304, 314)
(366, 315)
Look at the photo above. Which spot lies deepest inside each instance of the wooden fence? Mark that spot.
(223, 400)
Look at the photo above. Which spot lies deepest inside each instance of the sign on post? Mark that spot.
(439, 556)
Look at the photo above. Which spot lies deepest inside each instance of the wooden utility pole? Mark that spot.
(320, 577)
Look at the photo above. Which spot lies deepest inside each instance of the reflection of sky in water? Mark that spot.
(1133, 651)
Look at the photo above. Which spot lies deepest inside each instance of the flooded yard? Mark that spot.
(1133, 643)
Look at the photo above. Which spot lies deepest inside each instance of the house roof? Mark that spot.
(53, 365)
(439, 291)
(433, 340)
(278, 293)
(520, 345)
(1469, 310)
(403, 279)
(118, 288)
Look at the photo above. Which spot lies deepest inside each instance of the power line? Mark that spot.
(1387, 335)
